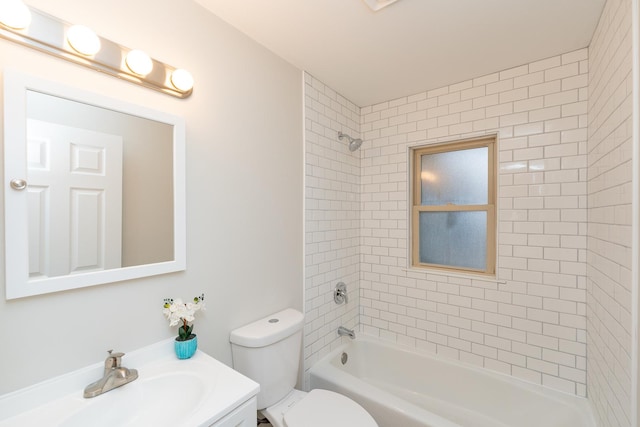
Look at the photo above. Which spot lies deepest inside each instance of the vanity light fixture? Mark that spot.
(76, 43)
(182, 80)
(15, 14)
(139, 62)
(83, 40)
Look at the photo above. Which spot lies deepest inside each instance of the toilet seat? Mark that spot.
(322, 408)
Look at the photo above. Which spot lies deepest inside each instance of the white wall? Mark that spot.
(244, 192)
(332, 218)
(609, 287)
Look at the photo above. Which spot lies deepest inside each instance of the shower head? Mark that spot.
(354, 143)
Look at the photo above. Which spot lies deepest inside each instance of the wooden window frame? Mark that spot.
(489, 208)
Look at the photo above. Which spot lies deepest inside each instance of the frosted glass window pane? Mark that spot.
(457, 239)
(458, 177)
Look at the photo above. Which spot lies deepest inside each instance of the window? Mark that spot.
(453, 218)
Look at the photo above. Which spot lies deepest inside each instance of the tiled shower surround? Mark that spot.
(609, 209)
(332, 218)
(531, 320)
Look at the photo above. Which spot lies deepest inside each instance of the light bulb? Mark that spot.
(139, 62)
(83, 40)
(15, 14)
(182, 80)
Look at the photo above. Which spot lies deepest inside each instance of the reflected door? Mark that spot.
(75, 199)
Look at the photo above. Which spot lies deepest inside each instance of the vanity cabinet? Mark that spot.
(242, 416)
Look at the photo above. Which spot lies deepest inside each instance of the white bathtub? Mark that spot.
(401, 388)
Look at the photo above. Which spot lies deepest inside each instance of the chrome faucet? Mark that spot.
(342, 331)
(115, 376)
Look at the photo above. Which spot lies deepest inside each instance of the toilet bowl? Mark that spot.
(268, 352)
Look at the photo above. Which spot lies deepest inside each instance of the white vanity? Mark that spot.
(168, 392)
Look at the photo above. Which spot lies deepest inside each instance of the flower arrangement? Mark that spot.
(177, 312)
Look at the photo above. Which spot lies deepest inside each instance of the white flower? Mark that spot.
(177, 312)
(177, 304)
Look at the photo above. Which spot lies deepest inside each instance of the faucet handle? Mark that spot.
(340, 293)
(113, 360)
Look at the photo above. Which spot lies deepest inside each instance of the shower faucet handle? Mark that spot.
(340, 293)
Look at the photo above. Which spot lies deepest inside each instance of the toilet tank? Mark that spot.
(268, 352)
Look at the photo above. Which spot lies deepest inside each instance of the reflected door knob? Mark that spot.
(18, 184)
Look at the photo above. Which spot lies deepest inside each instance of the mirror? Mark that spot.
(104, 195)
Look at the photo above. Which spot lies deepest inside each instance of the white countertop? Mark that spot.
(208, 389)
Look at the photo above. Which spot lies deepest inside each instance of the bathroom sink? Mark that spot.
(168, 392)
(137, 403)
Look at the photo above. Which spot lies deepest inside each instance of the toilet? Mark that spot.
(268, 352)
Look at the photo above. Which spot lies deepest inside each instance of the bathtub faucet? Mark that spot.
(342, 331)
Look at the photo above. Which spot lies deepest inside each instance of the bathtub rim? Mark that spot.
(579, 403)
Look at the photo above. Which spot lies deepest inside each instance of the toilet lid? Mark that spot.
(322, 408)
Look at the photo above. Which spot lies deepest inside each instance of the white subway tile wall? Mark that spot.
(609, 209)
(332, 219)
(530, 322)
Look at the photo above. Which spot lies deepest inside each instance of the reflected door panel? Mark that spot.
(38, 200)
(69, 165)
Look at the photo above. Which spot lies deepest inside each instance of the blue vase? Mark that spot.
(186, 349)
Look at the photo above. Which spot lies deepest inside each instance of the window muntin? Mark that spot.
(453, 212)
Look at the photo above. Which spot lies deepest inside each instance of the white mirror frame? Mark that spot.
(18, 284)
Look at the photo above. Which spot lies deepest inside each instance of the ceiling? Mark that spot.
(411, 45)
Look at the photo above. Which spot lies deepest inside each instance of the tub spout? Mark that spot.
(342, 331)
